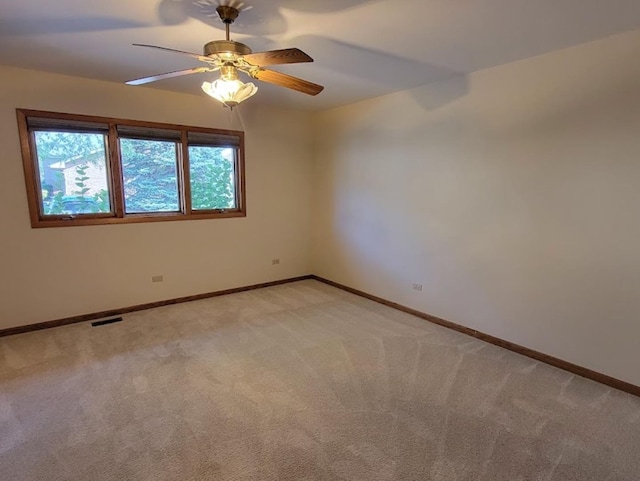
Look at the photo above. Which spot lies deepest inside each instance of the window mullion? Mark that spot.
(185, 174)
(115, 170)
(239, 175)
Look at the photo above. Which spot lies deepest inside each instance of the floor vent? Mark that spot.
(106, 321)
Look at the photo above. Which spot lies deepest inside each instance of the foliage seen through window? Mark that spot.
(82, 170)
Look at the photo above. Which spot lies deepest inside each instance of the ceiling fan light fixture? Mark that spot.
(228, 89)
(229, 56)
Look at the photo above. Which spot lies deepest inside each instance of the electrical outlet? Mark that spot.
(417, 287)
(275, 262)
(157, 279)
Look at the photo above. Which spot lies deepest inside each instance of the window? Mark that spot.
(82, 170)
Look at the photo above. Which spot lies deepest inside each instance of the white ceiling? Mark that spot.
(362, 48)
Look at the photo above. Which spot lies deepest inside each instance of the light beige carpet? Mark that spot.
(299, 382)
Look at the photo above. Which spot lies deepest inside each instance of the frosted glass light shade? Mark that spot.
(230, 92)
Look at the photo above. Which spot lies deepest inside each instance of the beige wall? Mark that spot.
(52, 273)
(511, 195)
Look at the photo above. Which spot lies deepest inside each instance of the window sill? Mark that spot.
(133, 219)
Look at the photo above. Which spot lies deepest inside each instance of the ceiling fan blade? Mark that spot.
(284, 80)
(277, 57)
(194, 55)
(161, 76)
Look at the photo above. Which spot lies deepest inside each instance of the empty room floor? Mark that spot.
(300, 381)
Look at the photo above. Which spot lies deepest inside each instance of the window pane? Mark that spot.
(74, 176)
(73, 173)
(212, 173)
(150, 174)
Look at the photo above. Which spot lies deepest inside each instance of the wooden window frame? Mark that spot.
(114, 173)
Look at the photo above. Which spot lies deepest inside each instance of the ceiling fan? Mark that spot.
(230, 57)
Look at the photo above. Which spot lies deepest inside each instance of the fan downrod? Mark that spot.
(227, 48)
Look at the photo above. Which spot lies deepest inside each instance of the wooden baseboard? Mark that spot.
(525, 351)
(125, 310)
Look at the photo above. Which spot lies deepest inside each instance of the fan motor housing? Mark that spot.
(220, 47)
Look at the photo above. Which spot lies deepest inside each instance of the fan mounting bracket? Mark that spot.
(227, 13)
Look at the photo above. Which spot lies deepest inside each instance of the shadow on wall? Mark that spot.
(377, 73)
(440, 93)
(433, 85)
(28, 26)
(264, 19)
(371, 66)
